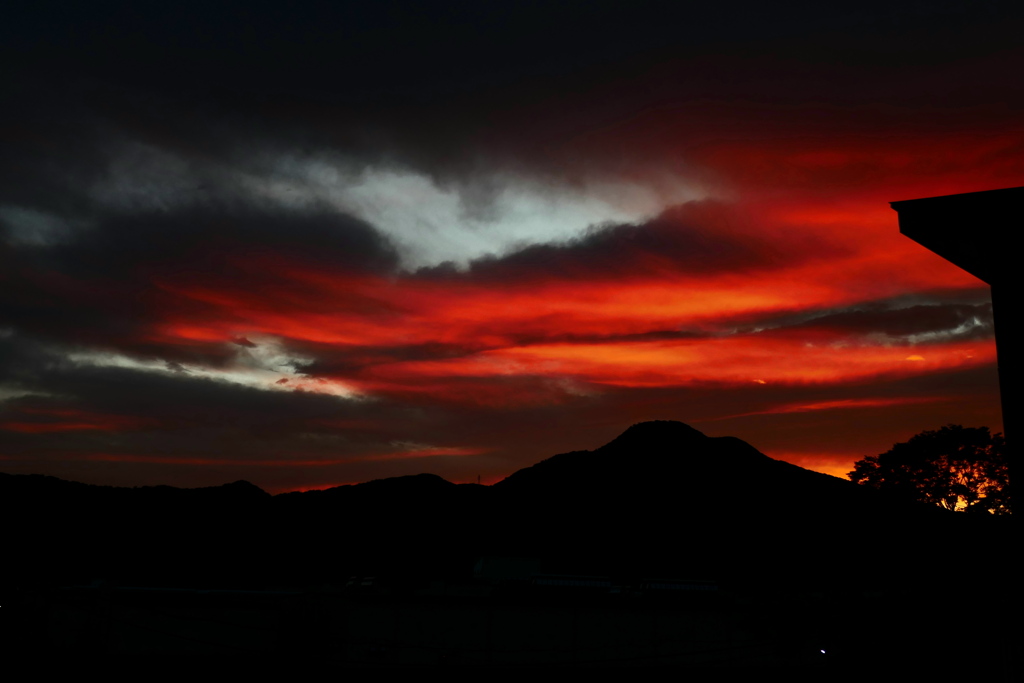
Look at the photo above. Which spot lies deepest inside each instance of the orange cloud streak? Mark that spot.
(489, 324)
(735, 360)
(840, 404)
(458, 312)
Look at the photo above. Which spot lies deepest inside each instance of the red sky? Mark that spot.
(327, 285)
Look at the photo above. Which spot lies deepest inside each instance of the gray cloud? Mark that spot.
(698, 237)
(921, 318)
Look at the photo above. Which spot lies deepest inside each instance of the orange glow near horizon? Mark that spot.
(832, 464)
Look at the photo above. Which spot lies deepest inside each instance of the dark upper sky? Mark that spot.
(316, 243)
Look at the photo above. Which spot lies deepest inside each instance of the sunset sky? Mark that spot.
(309, 244)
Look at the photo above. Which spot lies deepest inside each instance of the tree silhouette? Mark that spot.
(957, 468)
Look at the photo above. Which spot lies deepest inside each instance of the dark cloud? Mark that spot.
(175, 396)
(441, 86)
(103, 286)
(119, 424)
(456, 43)
(943, 321)
(922, 318)
(173, 414)
(108, 285)
(696, 238)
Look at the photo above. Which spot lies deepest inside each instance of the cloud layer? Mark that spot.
(461, 244)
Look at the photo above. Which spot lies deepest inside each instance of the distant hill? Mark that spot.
(661, 499)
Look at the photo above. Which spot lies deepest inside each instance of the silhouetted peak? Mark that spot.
(650, 454)
(672, 443)
(656, 434)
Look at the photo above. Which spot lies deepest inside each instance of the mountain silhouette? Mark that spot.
(665, 498)
(653, 455)
(660, 499)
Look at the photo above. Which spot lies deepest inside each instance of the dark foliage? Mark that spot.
(957, 468)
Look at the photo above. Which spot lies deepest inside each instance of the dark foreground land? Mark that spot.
(662, 547)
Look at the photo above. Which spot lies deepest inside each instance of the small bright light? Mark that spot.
(822, 651)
